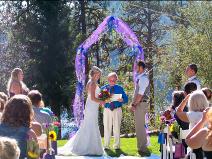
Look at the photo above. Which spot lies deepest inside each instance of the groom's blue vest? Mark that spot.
(116, 89)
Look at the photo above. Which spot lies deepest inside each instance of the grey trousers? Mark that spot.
(139, 115)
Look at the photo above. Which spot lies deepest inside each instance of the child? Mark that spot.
(9, 148)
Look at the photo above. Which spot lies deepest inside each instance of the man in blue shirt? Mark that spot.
(113, 111)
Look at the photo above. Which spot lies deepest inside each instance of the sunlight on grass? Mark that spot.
(128, 147)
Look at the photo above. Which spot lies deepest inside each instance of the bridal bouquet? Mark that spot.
(104, 95)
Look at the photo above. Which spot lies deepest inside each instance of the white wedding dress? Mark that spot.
(87, 140)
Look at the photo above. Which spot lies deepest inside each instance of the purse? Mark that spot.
(179, 151)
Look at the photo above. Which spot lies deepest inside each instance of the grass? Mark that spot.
(128, 147)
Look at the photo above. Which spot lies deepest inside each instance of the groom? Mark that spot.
(113, 111)
(140, 107)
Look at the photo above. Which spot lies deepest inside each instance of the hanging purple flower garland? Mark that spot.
(110, 23)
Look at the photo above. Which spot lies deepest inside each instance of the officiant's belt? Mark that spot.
(109, 107)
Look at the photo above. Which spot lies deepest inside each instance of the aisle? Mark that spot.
(108, 157)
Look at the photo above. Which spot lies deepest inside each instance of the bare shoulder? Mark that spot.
(204, 132)
(92, 84)
(37, 128)
(32, 135)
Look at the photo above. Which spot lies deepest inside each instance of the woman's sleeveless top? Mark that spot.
(207, 154)
(18, 133)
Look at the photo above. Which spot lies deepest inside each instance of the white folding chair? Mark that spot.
(183, 135)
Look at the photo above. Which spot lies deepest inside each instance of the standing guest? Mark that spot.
(9, 148)
(197, 103)
(16, 121)
(191, 72)
(15, 84)
(3, 100)
(140, 107)
(201, 136)
(40, 116)
(113, 111)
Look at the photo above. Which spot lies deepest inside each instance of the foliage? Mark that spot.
(190, 44)
(148, 27)
(41, 30)
(12, 52)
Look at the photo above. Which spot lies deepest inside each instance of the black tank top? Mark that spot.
(207, 154)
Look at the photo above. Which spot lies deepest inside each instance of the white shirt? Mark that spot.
(143, 83)
(194, 118)
(196, 81)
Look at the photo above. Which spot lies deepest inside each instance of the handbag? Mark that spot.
(179, 151)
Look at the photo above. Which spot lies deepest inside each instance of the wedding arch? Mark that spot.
(110, 23)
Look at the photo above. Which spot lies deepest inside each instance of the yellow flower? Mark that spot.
(171, 128)
(52, 135)
(32, 154)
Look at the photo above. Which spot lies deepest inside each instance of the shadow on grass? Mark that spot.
(147, 153)
(115, 153)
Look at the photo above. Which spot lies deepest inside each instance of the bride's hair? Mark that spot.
(94, 70)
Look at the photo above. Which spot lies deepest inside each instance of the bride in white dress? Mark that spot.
(87, 140)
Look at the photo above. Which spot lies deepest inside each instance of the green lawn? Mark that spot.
(128, 147)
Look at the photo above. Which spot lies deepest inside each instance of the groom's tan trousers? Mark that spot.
(140, 111)
(112, 119)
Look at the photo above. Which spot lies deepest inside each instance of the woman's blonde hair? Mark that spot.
(9, 148)
(94, 70)
(209, 137)
(197, 101)
(14, 77)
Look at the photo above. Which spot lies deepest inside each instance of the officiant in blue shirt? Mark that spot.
(113, 112)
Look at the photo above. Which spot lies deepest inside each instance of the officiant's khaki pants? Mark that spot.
(112, 119)
(140, 112)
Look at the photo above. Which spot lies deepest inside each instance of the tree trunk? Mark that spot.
(150, 62)
(83, 30)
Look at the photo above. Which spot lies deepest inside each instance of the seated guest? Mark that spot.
(197, 103)
(15, 84)
(3, 100)
(208, 93)
(46, 109)
(37, 128)
(9, 148)
(39, 115)
(201, 136)
(16, 121)
(188, 88)
(177, 97)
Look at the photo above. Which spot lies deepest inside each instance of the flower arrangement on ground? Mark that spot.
(33, 151)
(166, 119)
(51, 138)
